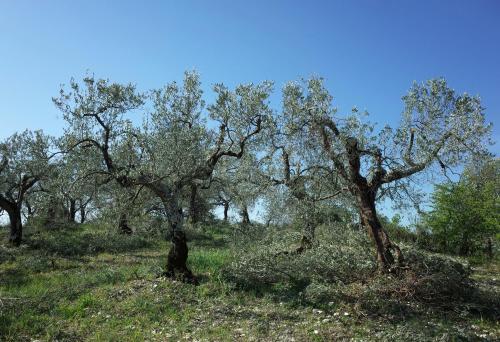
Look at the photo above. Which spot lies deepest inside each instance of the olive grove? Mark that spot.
(172, 149)
(167, 154)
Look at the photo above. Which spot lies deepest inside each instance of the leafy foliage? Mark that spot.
(465, 215)
(24, 161)
(340, 266)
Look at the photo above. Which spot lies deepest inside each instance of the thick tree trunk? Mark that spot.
(16, 225)
(178, 253)
(245, 217)
(309, 235)
(226, 210)
(464, 245)
(308, 232)
(383, 244)
(72, 211)
(489, 248)
(82, 214)
(123, 225)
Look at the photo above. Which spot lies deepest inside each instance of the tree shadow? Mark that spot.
(74, 243)
(14, 278)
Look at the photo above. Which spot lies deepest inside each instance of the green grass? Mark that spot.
(85, 284)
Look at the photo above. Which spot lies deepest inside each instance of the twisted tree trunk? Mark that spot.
(82, 214)
(489, 248)
(226, 210)
(465, 246)
(178, 253)
(16, 225)
(13, 209)
(308, 231)
(123, 224)
(384, 246)
(245, 217)
(72, 211)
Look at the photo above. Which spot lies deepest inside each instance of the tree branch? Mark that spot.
(417, 167)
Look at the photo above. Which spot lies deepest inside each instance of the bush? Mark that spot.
(342, 265)
(343, 259)
(436, 277)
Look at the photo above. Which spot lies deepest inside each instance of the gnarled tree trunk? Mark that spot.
(465, 245)
(13, 209)
(245, 217)
(123, 224)
(178, 253)
(72, 211)
(308, 231)
(308, 235)
(82, 214)
(56, 213)
(16, 225)
(226, 210)
(383, 245)
(489, 248)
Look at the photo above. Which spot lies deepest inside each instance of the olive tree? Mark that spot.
(238, 182)
(439, 129)
(67, 190)
(293, 166)
(24, 162)
(173, 148)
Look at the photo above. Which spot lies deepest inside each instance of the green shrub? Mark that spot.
(342, 266)
(340, 256)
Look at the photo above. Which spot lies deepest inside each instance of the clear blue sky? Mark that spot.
(369, 51)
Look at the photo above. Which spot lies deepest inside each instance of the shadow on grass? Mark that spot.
(14, 277)
(372, 302)
(205, 239)
(79, 241)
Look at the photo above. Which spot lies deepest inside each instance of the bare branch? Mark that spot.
(417, 167)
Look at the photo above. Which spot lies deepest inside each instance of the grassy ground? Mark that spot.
(98, 286)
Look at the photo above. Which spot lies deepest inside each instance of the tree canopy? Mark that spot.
(166, 148)
(465, 215)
